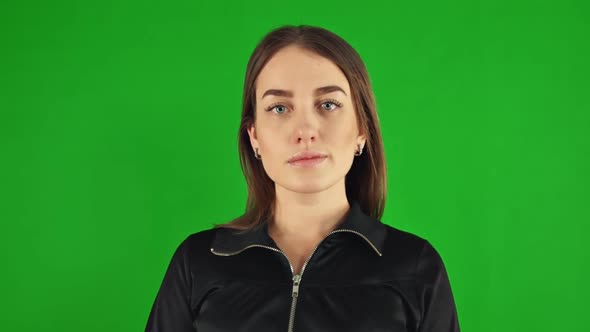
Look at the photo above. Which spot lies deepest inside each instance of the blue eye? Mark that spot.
(332, 102)
(276, 106)
(329, 102)
(280, 107)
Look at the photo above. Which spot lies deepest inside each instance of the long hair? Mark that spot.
(366, 180)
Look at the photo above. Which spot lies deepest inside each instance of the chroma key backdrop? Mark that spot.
(118, 138)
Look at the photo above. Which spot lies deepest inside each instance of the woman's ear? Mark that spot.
(253, 138)
(362, 140)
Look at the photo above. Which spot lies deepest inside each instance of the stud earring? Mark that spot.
(256, 154)
(359, 151)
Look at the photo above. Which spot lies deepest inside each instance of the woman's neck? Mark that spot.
(308, 216)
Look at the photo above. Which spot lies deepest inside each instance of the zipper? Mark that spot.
(297, 277)
(294, 294)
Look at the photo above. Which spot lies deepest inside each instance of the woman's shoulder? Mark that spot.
(401, 239)
(413, 258)
(411, 247)
(199, 239)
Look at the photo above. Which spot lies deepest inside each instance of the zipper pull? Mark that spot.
(296, 279)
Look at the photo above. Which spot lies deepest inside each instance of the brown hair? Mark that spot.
(366, 181)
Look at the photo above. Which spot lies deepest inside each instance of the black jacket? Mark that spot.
(365, 276)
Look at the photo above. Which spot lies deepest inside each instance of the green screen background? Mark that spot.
(118, 124)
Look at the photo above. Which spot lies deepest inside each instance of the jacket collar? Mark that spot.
(229, 241)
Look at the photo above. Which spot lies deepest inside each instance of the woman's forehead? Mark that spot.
(300, 72)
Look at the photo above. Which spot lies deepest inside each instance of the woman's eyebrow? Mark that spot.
(289, 94)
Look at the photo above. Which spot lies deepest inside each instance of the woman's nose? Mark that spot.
(305, 135)
(305, 125)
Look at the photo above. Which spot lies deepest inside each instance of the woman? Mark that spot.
(310, 253)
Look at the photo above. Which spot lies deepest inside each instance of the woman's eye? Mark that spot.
(329, 103)
(280, 109)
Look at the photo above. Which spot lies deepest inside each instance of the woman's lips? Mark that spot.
(307, 162)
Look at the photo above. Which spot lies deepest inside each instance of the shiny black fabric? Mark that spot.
(370, 278)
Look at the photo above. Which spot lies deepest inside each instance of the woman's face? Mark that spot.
(294, 114)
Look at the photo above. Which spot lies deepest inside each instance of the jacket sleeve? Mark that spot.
(438, 310)
(171, 311)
